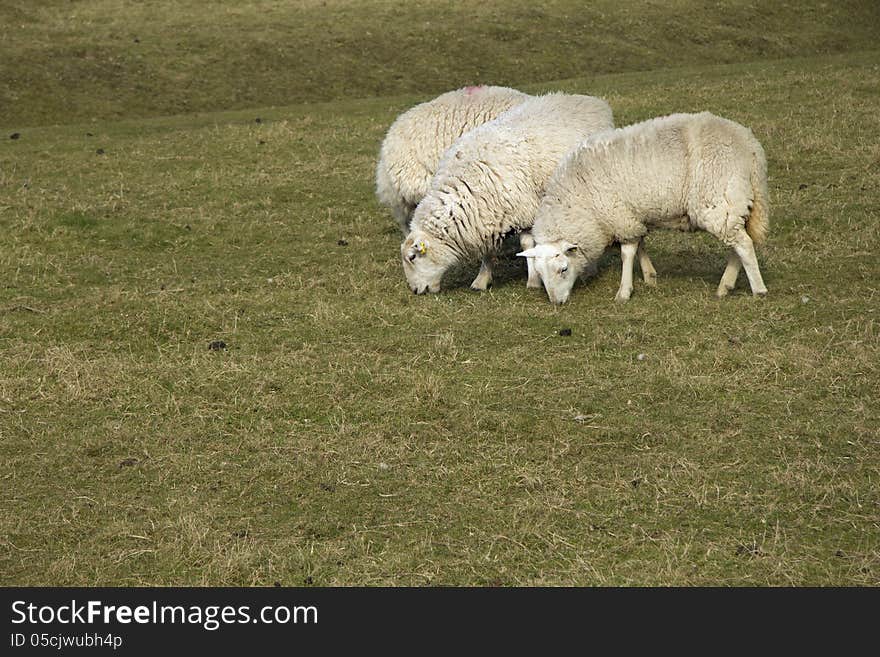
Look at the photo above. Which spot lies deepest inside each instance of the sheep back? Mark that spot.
(415, 142)
(664, 172)
(491, 180)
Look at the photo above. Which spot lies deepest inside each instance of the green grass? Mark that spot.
(352, 433)
(63, 60)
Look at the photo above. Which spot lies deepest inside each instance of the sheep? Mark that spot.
(418, 138)
(684, 171)
(489, 184)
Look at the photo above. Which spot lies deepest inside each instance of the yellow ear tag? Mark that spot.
(422, 247)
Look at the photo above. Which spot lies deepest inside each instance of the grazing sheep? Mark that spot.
(417, 139)
(685, 171)
(490, 182)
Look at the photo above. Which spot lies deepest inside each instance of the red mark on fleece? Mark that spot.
(472, 89)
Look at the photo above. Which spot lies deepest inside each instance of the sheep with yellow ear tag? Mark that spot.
(489, 184)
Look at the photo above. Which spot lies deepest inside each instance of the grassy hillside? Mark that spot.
(62, 61)
(352, 433)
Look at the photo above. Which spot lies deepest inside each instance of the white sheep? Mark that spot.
(490, 182)
(685, 171)
(418, 138)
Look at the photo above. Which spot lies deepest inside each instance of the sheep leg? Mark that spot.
(628, 257)
(403, 213)
(745, 249)
(526, 241)
(645, 264)
(731, 272)
(483, 281)
(729, 227)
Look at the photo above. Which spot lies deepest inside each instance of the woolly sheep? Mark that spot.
(684, 171)
(490, 182)
(418, 138)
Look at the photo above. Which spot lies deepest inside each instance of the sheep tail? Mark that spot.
(758, 221)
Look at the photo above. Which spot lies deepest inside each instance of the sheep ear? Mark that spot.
(529, 253)
(539, 251)
(568, 247)
(416, 249)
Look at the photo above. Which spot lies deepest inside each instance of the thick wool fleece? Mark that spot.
(491, 181)
(687, 171)
(418, 138)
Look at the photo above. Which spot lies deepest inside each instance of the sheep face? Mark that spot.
(558, 265)
(424, 262)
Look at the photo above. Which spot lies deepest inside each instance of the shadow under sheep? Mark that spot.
(691, 260)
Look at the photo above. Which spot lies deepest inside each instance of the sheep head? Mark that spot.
(559, 265)
(425, 260)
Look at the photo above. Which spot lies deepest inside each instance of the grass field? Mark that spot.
(212, 181)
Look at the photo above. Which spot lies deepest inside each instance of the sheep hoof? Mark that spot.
(480, 287)
(760, 293)
(722, 291)
(651, 280)
(621, 297)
